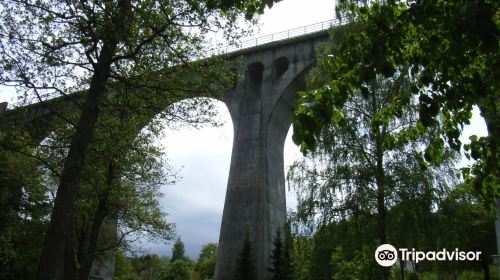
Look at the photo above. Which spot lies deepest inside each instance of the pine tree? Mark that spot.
(280, 258)
(277, 258)
(245, 267)
(178, 250)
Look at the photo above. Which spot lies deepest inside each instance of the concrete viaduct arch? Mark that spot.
(261, 107)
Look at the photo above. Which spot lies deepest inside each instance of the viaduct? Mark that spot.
(261, 106)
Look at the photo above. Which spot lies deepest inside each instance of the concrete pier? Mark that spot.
(261, 107)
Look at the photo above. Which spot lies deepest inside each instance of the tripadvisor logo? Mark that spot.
(387, 255)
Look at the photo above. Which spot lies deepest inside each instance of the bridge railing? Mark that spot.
(284, 35)
(251, 43)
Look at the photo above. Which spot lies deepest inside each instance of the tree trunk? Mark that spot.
(62, 212)
(380, 181)
(70, 263)
(88, 255)
(379, 177)
(381, 207)
(67, 190)
(99, 215)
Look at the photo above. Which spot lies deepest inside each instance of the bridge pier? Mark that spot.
(261, 107)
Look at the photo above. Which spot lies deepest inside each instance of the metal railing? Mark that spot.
(280, 36)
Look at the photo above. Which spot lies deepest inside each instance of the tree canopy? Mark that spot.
(178, 250)
(56, 48)
(25, 204)
(450, 49)
(206, 261)
(363, 172)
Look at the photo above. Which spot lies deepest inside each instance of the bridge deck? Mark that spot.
(291, 36)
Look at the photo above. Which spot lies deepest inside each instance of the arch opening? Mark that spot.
(253, 79)
(201, 155)
(280, 66)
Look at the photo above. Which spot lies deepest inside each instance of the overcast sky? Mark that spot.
(195, 203)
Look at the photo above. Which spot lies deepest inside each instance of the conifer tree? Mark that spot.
(178, 250)
(245, 267)
(280, 258)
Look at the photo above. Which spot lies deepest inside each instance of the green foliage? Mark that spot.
(179, 269)
(336, 251)
(245, 266)
(277, 258)
(344, 249)
(149, 266)
(206, 261)
(463, 275)
(178, 250)
(124, 171)
(450, 49)
(92, 52)
(466, 224)
(365, 163)
(323, 247)
(147, 42)
(301, 257)
(362, 266)
(281, 266)
(250, 8)
(24, 208)
(124, 269)
(365, 181)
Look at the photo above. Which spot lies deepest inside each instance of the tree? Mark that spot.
(123, 175)
(179, 269)
(451, 49)
(24, 206)
(149, 266)
(245, 266)
(280, 259)
(124, 269)
(363, 167)
(463, 222)
(178, 250)
(57, 47)
(300, 256)
(361, 163)
(361, 266)
(206, 261)
(277, 258)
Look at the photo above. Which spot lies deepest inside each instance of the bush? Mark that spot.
(177, 270)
